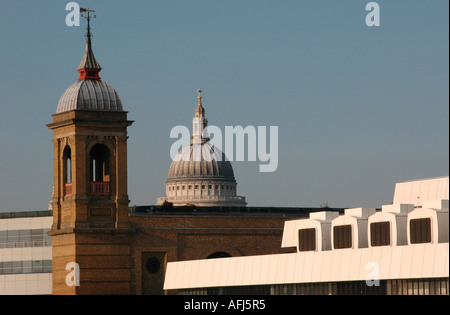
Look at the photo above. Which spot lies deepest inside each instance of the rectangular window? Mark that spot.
(342, 235)
(24, 238)
(47, 238)
(47, 266)
(13, 235)
(16, 267)
(380, 233)
(420, 230)
(3, 237)
(26, 266)
(7, 267)
(36, 266)
(306, 240)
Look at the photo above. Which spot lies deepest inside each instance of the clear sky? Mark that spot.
(358, 108)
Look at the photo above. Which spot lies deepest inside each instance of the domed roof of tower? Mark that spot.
(201, 161)
(90, 92)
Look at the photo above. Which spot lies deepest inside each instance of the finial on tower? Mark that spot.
(88, 16)
(89, 66)
(199, 97)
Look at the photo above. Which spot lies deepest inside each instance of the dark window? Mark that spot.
(218, 255)
(152, 265)
(342, 236)
(24, 238)
(67, 171)
(153, 272)
(420, 230)
(37, 266)
(16, 267)
(380, 233)
(306, 240)
(27, 266)
(100, 170)
(100, 163)
(67, 165)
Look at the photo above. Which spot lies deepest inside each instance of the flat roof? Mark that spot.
(154, 210)
(387, 262)
(26, 214)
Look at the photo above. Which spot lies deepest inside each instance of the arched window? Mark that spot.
(100, 169)
(67, 171)
(218, 255)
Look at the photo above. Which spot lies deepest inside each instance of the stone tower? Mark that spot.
(90, 201)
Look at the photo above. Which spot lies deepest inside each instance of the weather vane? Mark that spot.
(87, 14)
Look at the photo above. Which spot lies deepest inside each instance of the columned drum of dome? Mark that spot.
(200, 174)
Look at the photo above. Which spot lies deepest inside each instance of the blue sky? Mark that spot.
(358, 108)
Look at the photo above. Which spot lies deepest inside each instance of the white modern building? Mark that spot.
(25, 253)
(402, 249)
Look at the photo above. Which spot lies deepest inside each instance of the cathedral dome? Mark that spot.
(200, 173)
(202, 161)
